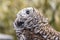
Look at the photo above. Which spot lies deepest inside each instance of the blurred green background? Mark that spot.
(9, 9)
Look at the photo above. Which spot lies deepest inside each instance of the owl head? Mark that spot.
(28, 18)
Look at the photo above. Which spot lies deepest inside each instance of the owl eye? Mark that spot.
(27, 12)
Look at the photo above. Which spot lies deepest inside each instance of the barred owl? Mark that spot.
(31, 25)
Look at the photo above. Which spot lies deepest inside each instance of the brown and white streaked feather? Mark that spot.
(31, 25)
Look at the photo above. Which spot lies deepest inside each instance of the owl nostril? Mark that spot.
(19, 23)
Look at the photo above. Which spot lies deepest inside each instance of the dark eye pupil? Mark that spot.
(27, 12)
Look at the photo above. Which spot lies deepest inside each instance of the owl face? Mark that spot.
(26, 18)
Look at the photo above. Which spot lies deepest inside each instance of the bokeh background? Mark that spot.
(9, 9)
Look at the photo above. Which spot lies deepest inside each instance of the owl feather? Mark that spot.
(30, 24)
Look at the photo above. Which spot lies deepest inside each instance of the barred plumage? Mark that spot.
(31, 25)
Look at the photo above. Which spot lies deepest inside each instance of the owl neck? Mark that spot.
(47, 32)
